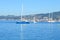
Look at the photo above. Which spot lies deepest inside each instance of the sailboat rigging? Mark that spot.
(21, 20)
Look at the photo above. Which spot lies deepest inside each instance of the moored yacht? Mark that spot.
(51, 21)
(22, 21)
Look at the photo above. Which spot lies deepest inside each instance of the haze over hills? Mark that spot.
(53, 15)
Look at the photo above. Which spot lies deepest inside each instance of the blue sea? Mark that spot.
(9, 30)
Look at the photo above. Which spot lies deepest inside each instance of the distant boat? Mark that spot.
(34, 21)
(51, 21)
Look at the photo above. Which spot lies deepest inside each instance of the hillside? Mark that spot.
(53, 15)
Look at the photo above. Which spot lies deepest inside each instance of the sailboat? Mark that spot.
(22, 22)
(50, 19)
(34, 20)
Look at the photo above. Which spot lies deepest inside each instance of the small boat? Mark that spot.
(34, 20)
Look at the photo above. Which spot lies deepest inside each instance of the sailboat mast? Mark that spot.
(52, 16)
(21, 20)
(21, 11)
(49, 17)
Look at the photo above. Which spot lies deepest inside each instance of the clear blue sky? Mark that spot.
(13, 7)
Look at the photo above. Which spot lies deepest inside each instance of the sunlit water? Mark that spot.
(9, 30)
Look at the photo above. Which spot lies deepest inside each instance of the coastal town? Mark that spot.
(48, 17)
